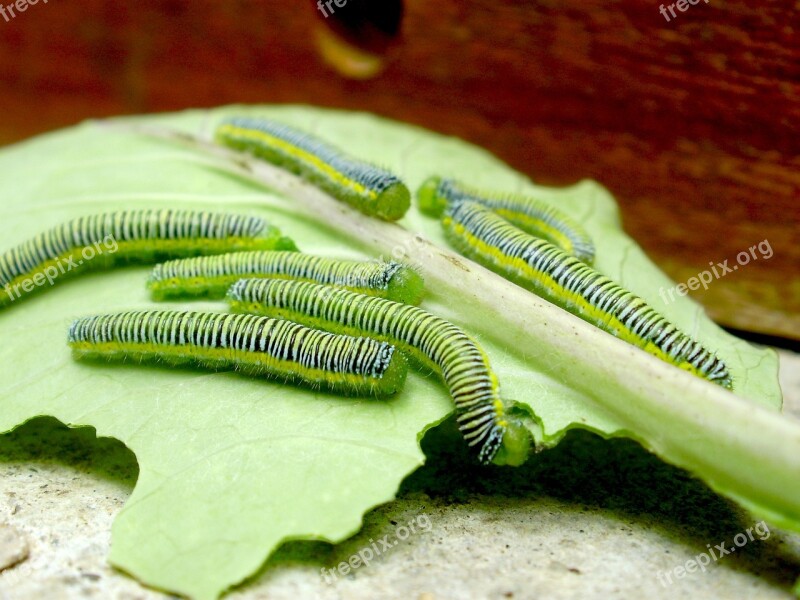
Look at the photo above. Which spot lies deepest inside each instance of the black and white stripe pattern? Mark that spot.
(528, 214)
(138, 236)
(370, 189)
(434, 341)
(371, 177)
(251, 343)
(129, 226)
(545, 269)
(213, 275)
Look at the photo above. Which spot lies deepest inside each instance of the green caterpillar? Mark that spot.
(538, 265)
(138, 236)
(256, 345)
(532, 216)
(373, 191)
(432, 341)
(212, 276)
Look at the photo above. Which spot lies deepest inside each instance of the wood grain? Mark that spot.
(692, 124)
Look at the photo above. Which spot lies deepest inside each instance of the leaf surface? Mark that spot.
(231, 466)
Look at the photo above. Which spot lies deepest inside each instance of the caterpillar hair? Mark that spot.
(211, 276)
(255, 345)
(138, 236)
(529, 214)
(370, 189)
(543, 268)
(430, 340)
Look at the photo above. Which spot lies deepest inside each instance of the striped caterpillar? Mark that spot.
(372, 190)
(255, 345)
(430, 340)
(211, 276)
(529, 214)
(140, 236)
(538, 265)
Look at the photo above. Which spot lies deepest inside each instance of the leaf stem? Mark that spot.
(741, 449)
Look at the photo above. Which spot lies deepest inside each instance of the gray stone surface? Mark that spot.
(13, 547)
(591, 518)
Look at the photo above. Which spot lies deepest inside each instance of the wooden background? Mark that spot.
(692, 124)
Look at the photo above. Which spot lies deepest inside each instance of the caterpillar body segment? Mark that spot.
(431, 340)
(212, 276)
(529, 214)
(370, 189)
(545, 269)
(137, 236)
(251, 344)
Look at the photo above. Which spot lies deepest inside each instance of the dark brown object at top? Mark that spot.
(693, 124)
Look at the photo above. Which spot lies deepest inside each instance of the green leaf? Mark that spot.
(230, 467)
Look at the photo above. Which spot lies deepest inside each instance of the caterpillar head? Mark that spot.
(515, 446)
(405, 285)
(429, 200)
(393, 202)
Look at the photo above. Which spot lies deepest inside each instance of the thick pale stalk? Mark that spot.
(742, 450)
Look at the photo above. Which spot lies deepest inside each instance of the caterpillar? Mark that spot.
(369, 189)
(102, 240)
(430, 340)
(529, 214)
(211, 276)
(545, 269)
(252, 344)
